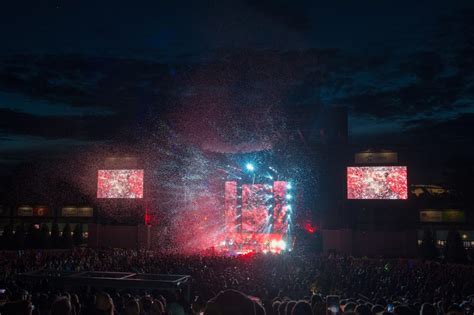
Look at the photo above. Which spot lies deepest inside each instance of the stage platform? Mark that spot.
(116, 280)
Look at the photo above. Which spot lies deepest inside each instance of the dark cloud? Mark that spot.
(285, 12)
(83, 80)
(58, 127)
(418, 98)
(235, 84)
(427, 65)
(235, 98)
(458, 128)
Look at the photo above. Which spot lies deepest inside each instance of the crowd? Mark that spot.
(292, 283)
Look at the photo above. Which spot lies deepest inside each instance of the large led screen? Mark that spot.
(377, 182)
(230, 205)
(255, 207)
(280, 213)
(120, 184)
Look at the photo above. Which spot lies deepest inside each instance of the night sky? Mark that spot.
(76, 74)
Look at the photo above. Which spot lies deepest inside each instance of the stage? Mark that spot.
(244, 243)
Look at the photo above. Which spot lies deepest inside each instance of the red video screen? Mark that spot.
(255, 216)
(230, 206)
(120, 184)
(377, 182)
(280, 213)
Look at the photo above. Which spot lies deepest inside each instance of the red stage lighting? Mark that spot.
(310, 228)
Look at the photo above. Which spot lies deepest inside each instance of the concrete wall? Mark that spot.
(119, 236)
(371, 243)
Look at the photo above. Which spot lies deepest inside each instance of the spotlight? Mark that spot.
(288, 207)
(289, 186)
(250, 167)
(288, 197)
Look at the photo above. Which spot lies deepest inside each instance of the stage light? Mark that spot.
(288, 207)
(288, 197)
(280, 244)
(277, 245)
(289, 186)
(250, 167)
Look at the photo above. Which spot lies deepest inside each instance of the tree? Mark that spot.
(66, 238)
(454, 250)
(45, 239)
(428, 248)
(55, 240)
(77, 235)
(470, 254)
(7, 237)
(32, 237)
(20, 236)
(318, 242)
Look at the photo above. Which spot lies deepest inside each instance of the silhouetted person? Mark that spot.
(301, 308)
(62, 306)
(230, 302)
